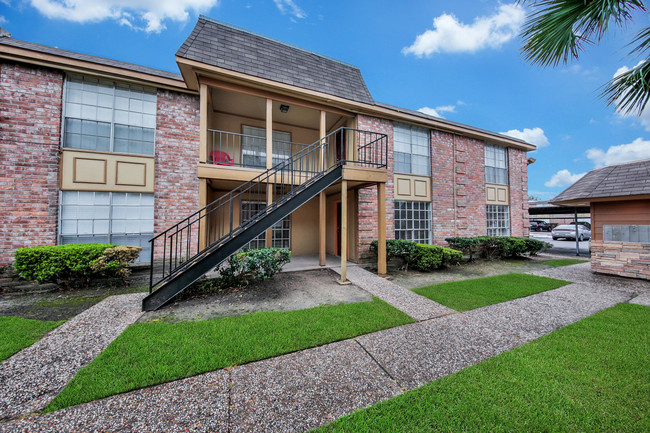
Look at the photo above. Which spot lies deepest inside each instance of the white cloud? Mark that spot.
(147, 15)
(290, 7)
(638, 149)
(436, 112)
(534, 136)
(644, 117)
(452, 36)
(563, 178)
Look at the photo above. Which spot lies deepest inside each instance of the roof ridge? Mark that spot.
(250, 32)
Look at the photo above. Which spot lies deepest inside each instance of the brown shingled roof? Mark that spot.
(619, 180)
(223, 45)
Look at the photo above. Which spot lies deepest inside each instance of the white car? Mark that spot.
(568, 231)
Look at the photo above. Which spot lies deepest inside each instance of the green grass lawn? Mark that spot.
(591, 376)
(150, 353)
(17, 333)
(564, 262)
(478, 292)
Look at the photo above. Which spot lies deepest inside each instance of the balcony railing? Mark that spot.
(241, 150)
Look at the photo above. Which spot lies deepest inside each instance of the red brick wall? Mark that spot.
(30, 122)
(465, 157)
(518, 171)
(177, 155)
(367, 209)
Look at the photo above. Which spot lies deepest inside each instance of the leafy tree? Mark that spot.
(558, 30)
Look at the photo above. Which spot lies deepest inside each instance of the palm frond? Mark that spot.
(557, 30)
(630, 91)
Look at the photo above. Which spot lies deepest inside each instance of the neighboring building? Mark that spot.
(100, 150)
(557, 215)
(619, 196)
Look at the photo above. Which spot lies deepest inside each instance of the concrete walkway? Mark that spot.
(35, 375)
(302, 390)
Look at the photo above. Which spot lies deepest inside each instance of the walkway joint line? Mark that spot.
(378, 363)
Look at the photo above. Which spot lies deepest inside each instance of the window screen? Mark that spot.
(109, 117)
(413, 221)
(281, 230)
(107, 217)
(498, 220)
(496, 164)
(411, 149)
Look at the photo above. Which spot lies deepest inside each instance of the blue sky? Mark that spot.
(459, 60)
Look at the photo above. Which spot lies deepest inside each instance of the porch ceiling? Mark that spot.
(254, 107)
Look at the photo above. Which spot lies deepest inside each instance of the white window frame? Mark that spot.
(281, 234)
(498, 220)
(109, 235)
(496, 164)
(411, 143)
(407, 226)
(127, 100)
(254, 144)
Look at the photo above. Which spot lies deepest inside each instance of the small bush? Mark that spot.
(116, 262)
(68, 265)
(3, 268)
(429, 257)
(495, 247)
(469, 246)
(395, 248)
(242, 268)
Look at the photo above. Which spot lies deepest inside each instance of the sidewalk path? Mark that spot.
(34, 376)
(416, 306)
(302, 390)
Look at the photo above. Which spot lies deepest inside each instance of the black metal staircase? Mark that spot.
(192, 247)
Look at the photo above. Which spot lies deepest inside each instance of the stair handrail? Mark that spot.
(373, 157)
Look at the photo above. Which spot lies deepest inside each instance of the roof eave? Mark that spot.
(68, 64)
(192, 69)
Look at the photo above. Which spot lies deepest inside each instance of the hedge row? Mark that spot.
(422, 257)
(74, 265)
(493, 247)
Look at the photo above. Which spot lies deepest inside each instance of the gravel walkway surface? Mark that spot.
(302, 390)
(35, 375)
(416, 306)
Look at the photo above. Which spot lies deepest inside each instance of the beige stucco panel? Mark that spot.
(98, 171)
(412, 188)
(497, 194)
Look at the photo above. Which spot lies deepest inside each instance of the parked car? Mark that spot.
(568, 232)
(582, 223)
(540, 226)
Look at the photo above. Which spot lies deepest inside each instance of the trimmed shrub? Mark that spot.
(469, 246)
(242, 268)
(494, 247)
(429, 257)
(68, 265)
(116, 262)
(395, 248)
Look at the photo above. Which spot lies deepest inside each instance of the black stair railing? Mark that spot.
(178, 247)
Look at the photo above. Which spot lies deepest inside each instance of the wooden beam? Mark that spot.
(203, 122)
(381, 228)
(322, 228)
(322, 133)
(269, 161)
(203, 201)
(344, 231)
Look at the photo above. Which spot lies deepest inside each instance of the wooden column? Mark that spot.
(322, 202)
(269, 161)
(344, 231)
(204, 108)
(381, 228)
(203, 201)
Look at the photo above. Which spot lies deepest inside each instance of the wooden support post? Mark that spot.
(323, 132)
(344, 232)
(204, 108)
(269, 161)
(381, 228)
(322, 219)
(203, 201)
